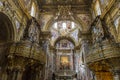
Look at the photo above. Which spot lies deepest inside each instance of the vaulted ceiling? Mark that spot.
(77, 11)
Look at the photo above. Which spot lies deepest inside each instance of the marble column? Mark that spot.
(76, 60)
(72, 62)
(4, 76)
(116, 74)
(19, 75)
(14, 74)
(0, 72)
(85, 47)
(10, 74)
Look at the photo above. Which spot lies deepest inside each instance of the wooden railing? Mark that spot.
(105, 51)
(28, 50)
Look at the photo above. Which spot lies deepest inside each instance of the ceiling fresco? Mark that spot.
(64, 28)
(64, 18)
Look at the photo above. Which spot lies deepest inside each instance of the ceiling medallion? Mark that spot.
(64, 12)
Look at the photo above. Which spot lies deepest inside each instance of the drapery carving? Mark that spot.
(32, 31)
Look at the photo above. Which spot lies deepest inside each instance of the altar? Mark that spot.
(65, 75)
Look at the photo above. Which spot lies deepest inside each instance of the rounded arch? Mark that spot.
(75, 19)
(7, 34)
(7, 27)
(64, 37)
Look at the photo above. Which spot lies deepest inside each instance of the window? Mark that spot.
(33, 10)
(97, 8)
(1, 4)
(64, 25)
(117, 23)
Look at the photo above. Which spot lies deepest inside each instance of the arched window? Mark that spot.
(1, 4)
(33, 9)
(97, 8)
(117, 23)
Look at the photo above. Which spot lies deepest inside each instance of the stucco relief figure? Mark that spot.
(97, 33)
(33, 31)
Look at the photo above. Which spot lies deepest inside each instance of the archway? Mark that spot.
(29, 73)
(6, 36)
(32, 72)
(7, 32)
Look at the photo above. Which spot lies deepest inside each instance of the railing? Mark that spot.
(105, 51)
(65, 73)
(28, 50)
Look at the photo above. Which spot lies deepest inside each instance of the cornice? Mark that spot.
(78, 9)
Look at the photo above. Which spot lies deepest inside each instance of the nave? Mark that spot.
(59, 40)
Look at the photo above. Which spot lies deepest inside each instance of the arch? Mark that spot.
(7, 26)
(64, 37)
(7, 34)
(75, 19)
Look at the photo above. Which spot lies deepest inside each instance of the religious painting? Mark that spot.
(64, 62)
